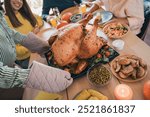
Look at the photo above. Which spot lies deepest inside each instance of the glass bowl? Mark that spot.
(99, 75)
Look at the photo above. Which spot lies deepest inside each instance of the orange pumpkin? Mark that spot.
(146, 90)
(66, 16)
(62, 23)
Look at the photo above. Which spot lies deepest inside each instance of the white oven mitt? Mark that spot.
(47, 78)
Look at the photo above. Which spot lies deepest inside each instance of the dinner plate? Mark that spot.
(106, 16)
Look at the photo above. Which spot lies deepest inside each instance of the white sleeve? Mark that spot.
(98, 3)
(135, 14)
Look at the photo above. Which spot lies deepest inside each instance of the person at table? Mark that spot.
(144, 28)
(20, 17)
(146, 7)
(38, 76)
(130, 12)
(60, 4)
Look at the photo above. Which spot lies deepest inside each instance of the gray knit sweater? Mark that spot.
(9, 76)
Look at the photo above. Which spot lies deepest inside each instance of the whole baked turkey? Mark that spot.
(74, 41)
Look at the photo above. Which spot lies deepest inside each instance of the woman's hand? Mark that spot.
(88, 4)
(36, 30)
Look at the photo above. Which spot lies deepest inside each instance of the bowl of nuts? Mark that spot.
(99, 75)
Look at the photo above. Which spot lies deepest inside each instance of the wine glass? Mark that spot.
(56, 12)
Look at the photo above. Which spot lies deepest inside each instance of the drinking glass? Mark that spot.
(53, 21)
(56, 12)
(82, 8)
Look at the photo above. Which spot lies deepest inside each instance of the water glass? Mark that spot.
(82, 8)
(53, 22)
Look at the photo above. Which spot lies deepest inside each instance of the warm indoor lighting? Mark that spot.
(123, 92)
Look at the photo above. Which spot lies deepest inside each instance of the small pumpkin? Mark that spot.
(146, 90)
(66, 16)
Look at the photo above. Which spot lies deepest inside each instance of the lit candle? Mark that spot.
(123, 92)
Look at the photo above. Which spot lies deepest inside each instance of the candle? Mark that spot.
(123, 92)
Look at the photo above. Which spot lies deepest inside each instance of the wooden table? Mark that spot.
(133, 45)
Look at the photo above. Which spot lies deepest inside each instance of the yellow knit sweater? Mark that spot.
(25, 28)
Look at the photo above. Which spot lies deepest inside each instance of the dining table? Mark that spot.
(133, 46)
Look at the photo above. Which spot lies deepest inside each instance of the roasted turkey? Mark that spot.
(74, 41)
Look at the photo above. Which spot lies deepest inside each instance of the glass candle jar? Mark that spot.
(123, 92)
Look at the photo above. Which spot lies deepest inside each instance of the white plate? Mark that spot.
(106, 16)
(100, 33)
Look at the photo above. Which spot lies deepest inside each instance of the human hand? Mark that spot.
(88, 4)
(48, 78)
(36, 30)
(85, 15)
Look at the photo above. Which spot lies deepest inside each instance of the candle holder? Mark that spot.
(123, 92)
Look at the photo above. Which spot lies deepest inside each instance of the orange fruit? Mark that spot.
(66, 16)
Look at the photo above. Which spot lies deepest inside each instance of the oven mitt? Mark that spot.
(49, 79)
(36, 44)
